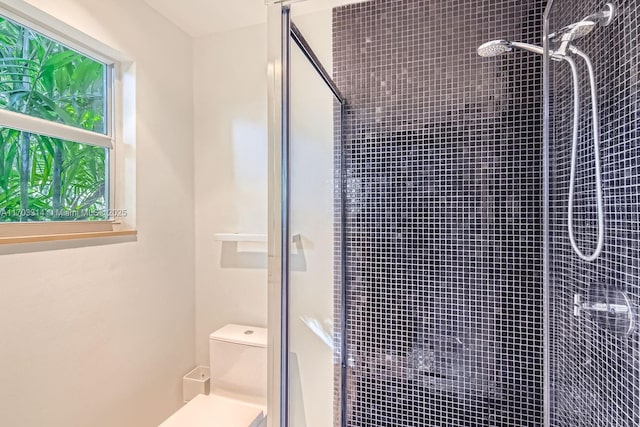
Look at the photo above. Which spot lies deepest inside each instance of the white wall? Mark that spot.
(230, 179)
(101, 335)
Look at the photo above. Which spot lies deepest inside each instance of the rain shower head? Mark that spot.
(494, 48)
(498, 47)
(564, 36)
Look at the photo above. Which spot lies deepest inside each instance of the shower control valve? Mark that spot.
(611, 309)
(580, 306)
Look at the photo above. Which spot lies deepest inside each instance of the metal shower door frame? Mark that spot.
(546, 226)
(546, 216)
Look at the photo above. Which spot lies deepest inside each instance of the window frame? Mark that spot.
(119, 122)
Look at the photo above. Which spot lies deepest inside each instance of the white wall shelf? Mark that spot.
(241, 237)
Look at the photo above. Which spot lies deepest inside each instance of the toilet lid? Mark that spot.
(216, 411)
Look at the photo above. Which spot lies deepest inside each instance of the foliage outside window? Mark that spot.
(43, 175)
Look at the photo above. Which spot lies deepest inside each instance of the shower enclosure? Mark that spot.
(428, 206)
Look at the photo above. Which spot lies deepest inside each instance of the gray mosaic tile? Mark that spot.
(596, 371)
(444, 235)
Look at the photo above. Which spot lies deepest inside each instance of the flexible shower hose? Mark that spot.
(574, 154)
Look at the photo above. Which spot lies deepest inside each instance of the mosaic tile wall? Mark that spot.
(444, 213)
(595, 364)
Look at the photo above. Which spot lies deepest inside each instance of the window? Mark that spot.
(57, 127)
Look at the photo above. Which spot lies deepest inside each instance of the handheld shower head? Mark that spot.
(573, 32)
(605, 16)
(498, 47)
(580, 29)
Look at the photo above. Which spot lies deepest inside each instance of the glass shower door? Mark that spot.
(305, 226)
(311, 261)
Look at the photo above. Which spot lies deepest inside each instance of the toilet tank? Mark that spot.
(238, 360)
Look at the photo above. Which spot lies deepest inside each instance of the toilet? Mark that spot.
(238, 391)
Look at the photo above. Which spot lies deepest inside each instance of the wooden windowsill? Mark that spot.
(65, 236)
